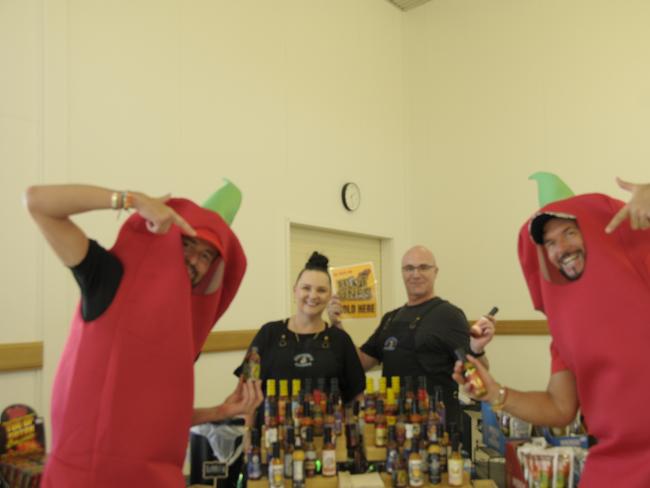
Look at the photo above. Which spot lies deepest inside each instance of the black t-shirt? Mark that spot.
(99, 275)
(439, 332)
(328, 354)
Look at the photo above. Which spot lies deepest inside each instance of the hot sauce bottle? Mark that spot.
(395, 385)
(252, 364)
(253, 455)
(441, 409)
(289, 440)
(329, 452)
(295, 399)
(391, 450)
(335, 400)
(370, 401)
(400, 474)
(415, 468)
(422, 394)
(317, 406)
(380, 424)
(390, 407)
(471, 374)
(455, 464)
(409, 395)
(305, 420)
(400, 425)
(276, 478)
(434, 463)
(310, 454)
(298, 471)
(283, 399)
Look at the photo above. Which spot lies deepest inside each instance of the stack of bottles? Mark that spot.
(299, 433)
(410, 424)
(398, 429)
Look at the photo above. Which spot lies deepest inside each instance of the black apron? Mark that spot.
(301, 356)
(400, 358)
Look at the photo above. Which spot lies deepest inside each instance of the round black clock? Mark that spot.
(351, 196)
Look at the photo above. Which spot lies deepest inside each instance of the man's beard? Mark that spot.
(578, 274)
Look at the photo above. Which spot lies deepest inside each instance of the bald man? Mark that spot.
(419, 338)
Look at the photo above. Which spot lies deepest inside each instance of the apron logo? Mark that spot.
(390, 344)
(304, 360)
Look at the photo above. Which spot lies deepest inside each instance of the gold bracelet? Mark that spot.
(498, 404)
(115, 200)
(127, 200)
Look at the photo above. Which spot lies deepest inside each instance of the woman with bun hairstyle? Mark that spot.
(306, 346)
(300, 347)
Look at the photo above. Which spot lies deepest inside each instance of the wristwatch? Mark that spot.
(498, 403)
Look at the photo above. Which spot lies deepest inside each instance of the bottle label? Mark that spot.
(298, 470)
(408, 430)
(271, 436)
(401, 478)
(416, 477)
(391, 460)
(288, 465)
(329, 463)
(276, 478)
(254, 467)
(434, 468)
(310, 463)
(455, 467)
(380, 436)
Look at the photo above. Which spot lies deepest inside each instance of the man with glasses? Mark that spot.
(419, 338)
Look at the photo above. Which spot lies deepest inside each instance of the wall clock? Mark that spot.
(351, 196)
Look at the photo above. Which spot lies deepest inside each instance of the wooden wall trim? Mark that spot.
(229, 340)
(29, 355)
(21, 356)
(521, 327)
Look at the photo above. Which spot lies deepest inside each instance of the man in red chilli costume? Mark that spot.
(590, 274)
(123, 393)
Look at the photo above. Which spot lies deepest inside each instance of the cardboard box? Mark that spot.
(490, 464)
(493, 436)
(514, 473)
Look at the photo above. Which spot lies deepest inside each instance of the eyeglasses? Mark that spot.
(409, 268)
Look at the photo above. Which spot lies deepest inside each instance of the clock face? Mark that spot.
(351, 195)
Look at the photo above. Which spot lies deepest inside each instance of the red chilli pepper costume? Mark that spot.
(123, 395)
(600, 326)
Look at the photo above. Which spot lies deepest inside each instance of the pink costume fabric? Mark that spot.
(600, 325)
(123, 396)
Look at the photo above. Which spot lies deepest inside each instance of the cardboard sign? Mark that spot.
(215, 470)
(356, 287)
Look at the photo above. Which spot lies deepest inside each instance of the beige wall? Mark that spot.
(289, 99)
(439, 114)
(497, 90)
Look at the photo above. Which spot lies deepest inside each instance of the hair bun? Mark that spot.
(317, 261)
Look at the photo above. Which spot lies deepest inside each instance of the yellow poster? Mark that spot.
(356, 287)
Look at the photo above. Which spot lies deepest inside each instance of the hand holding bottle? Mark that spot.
(491, 386)
(482, 331)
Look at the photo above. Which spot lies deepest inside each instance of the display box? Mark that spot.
(566, 441)
(22, 446)
(490, 464)
(493, 431)
(514, 474)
